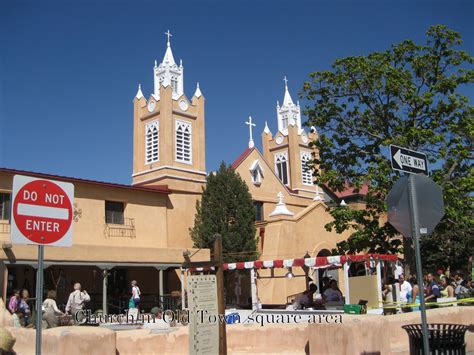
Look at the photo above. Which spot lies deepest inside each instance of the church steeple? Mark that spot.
(289, 149)
(168, 73)
(287, 101)
(288, 114)
(169, 134)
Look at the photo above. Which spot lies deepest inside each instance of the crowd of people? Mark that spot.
(434, 287)
(52, 315)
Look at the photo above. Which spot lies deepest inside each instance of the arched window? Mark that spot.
(281, 167)
(183, 142)
(152, 149)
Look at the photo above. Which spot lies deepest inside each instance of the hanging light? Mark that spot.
(289, 274)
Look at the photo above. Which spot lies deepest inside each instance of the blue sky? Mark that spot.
(70, 69)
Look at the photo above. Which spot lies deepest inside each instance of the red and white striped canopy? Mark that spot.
(317, 262)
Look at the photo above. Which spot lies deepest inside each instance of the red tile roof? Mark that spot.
(350, 191)
(241, 157)
(163, 189)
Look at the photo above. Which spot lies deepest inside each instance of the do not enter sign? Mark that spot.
(42, 211)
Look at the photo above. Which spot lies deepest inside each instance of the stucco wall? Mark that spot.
(355, 335)
(292, 237)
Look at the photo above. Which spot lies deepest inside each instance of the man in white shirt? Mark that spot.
(76, 302)
(405, 288)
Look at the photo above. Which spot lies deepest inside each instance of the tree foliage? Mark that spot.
(409, 95)
(226, 208)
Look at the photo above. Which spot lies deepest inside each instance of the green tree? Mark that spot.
(226, 208)
(408, 95)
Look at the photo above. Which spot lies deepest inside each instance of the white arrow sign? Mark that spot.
(407, 160)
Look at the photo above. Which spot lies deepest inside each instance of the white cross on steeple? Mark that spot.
(286, 82)
(168, 34)
(250, 124)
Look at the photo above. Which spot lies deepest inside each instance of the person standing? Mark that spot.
(51, 310)
(415, 293)
(14, 301)
(24, 307)
(457, 284)
(405, 289)
(76, 302)
(447, 289)
(136, 294)
(432, 290)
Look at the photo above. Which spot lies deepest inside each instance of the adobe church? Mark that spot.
(140, 231)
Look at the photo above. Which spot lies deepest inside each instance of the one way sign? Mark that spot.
(408, 161)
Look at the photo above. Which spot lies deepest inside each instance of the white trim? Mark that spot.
(169, 176)
(305, 190)
(171, 168)
(178, 124)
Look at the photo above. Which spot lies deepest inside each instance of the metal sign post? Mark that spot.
(419, 272)
(39, 298)
(414, 215)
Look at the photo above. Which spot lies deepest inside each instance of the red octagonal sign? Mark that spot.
(42, 211)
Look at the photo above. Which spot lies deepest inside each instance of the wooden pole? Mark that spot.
(220, 292)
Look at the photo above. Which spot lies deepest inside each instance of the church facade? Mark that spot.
(140, 231)
(291, 209)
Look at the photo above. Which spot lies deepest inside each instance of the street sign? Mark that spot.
(41, 211)
(429, 203)
(41, 215)
(408, 160)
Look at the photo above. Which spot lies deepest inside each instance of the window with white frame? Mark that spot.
(183, 142)
(306, 173)
(174, 84)
(152, 149)
(281, 167)
(256, 172)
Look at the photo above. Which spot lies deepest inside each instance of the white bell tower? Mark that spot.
(288, 113)
(168, 73)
